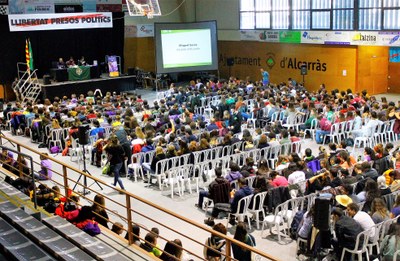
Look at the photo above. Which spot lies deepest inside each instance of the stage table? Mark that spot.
(75, 73)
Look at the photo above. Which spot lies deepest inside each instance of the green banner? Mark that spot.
(289, 36)
(79, 73)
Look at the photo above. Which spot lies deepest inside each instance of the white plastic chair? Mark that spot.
(374, 242)
(55, 138)
(135, 166)
(75, 150)
(184, 178)
(390, 135)
(243, 205)
(250, 181)
(396, 255)
(171, 179)
(366, 138)
(282, 216)
(334, 133)
(257, 209)
(272, 157)
(360, 247)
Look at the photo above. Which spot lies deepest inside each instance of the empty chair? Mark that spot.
(283, 215)
(360, 247)
(55, 138)
(135, 166)
(257, 207)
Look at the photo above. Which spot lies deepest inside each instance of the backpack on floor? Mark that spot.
(295, 225)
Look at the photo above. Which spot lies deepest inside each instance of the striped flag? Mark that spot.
(28, 55)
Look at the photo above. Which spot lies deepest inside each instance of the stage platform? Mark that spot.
(104, 83)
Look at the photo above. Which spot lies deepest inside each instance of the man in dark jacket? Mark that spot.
(368, 171)
(346, 230)
(242, 192)
(218, 190)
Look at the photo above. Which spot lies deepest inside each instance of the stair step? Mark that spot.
(18, 245)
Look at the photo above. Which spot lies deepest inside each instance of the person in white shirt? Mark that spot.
(297, 176)
(369, 128)
(365, 220)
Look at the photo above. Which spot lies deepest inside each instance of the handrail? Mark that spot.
(129, 196)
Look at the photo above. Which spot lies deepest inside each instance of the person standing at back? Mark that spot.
(116, 155)
(265, 77)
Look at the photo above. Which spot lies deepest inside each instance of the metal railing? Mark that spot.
(65, 180)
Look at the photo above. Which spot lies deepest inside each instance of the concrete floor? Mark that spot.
(181, 205)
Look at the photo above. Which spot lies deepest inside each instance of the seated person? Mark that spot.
(242, 192)
(149, 243)
(70, 62)
(82, 61)
(60, 63)
(346, 231)
(218, 190)
(45, 173)
(390, 243)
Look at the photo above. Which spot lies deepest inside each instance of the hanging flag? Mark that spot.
(28, 55)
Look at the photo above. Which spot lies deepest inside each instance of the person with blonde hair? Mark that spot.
(139, 133)
(158, 155)
(379, 212)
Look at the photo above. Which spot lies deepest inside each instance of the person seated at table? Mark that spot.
(82, 61)
(60, 63)
(70, 62)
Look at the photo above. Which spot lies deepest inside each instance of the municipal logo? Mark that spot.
(78, 71)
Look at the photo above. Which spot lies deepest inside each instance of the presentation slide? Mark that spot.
(185, 47)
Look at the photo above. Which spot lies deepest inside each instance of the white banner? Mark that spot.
(383, 38)
(38, 22)
(139, 30)
(39, 8)
(145, 30)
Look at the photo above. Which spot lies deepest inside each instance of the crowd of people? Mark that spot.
(174, 126)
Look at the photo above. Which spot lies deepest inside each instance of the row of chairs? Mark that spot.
(366, 244)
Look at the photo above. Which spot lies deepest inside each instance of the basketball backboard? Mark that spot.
(147, 8)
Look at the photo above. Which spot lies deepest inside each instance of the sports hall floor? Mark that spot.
(181, 205)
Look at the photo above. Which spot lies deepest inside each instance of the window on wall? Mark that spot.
(343, 15)
(320, 14)
(280, 14)
(300, 14)
(255, 14)
(370, 14)
(391, 15)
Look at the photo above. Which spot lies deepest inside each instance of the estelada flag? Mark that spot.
(29, 55)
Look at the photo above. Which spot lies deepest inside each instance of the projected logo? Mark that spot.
(270, 60)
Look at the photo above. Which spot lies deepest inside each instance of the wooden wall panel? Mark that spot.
(333, 65)
(341, 67)
(373, 69)
(394, 78)
(140, 52)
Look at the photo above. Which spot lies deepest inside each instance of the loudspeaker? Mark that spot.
(131, 71)
(46, 79)
(230, 61)
(83, 134)
(322, 214)
(303, 69)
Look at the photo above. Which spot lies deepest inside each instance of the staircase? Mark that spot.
(27, 233)
(28, 85)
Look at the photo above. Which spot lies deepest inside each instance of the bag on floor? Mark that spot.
(106, 169)
(55, 150)
(295, 225)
